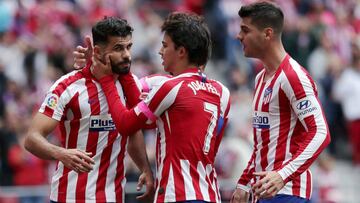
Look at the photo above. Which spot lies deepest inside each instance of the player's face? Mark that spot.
(251, 38)
(120, 50)
(168, 54)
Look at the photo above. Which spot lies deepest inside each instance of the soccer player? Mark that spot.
(289, 125)
(91, 158)
(190, 112)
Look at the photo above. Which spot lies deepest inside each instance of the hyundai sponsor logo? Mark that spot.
(303, 104)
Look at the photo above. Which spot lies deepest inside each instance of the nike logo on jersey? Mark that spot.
(197, 86)
(101, 123)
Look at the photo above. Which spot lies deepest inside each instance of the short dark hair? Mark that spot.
(264, 14)
(110, 26)
(191, 32)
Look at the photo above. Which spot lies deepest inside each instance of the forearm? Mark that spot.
(131, 90)
(137, 151)
(40, 147)
(126, 121)
(244, 181)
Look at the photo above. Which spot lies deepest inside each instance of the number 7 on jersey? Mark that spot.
(213, 110)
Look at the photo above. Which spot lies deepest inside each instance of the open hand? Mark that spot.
(239, 196)
(147, 179)
(269, 185)
(77, 160)
(82, 55)
(100, 69)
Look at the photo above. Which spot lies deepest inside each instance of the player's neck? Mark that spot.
(272, 60)
(182, 67)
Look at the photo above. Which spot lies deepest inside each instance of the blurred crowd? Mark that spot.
(37, 38)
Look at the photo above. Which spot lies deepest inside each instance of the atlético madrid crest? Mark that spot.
(267, 95)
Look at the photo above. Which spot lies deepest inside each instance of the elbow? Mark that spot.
(28, 143)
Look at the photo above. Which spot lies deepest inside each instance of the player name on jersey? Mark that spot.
(198, 85)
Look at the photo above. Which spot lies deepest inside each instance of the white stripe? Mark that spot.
(209, 169)
(170, 187)
(311, 181)
(303, 184)
(274, 130)
(110, 180)
(55, 182)
(218, 199)
(204, 186)
(161, 134)
(224, 100)
(189, 187)
(168, 120)
(167, 101)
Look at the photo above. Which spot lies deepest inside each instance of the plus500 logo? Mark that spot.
(101, 123)
(261, 121)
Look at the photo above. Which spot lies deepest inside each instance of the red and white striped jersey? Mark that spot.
(152, 81)
(188, 113)
(77, 101)
(289, 127)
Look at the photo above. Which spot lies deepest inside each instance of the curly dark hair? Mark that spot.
(191, 32)
(110, 26)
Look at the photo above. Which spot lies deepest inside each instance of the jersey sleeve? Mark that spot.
(302, 94)
(131, 87)
(244, 180)
(55, 100)
(145, 112)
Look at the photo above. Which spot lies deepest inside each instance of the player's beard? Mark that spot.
(119, 67)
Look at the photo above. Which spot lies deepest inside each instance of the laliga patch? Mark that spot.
(52, 101)
(261, 120)
(306, 106)
(101, 123)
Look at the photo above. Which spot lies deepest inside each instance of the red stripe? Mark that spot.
(212, 193)
(308, 184)
(265, 133)
(259, 81)
(92, 137)
(284, 128)
(104, 166)
(178, 181)
(120, 170)
(60, 88)
(160, 95)
(305, 143)
(294, 81)
(247, 174)
(48, 111)
(196, 180)
(259, 96)
(296, 186)
(163, 182)
(72, 142)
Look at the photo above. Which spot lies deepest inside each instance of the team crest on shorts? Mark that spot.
(52, 101)
(267, 95)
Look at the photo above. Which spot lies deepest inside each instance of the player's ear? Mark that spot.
(182, 51)
(97, 51)
(268, 33)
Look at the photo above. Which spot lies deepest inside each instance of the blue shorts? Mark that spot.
(285, 199)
